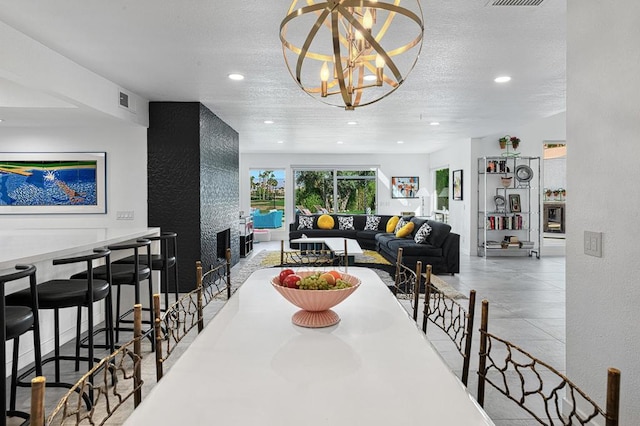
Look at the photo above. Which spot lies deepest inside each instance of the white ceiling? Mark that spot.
(169, 50)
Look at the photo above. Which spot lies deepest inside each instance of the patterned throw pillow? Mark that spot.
(372, 223)
(345, 222)
(305, 222)
(399, 225)
(422, 234)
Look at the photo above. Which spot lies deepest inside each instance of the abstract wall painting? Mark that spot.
(52, 182)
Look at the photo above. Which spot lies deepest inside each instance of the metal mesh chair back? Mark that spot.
(309, 257)
(407, 283)
(537, 387)
(108, 385)
(452, 318)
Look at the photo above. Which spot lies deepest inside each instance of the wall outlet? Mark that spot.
(124, 215)
(593, 243)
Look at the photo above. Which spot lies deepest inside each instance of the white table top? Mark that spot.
(252, 366)
(335, 244)
(36, 245)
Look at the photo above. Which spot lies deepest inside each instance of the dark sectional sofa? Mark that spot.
(441, 250)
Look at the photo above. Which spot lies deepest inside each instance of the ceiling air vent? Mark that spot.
(126, 101)
(515, 2)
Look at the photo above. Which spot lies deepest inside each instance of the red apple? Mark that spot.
(284, 274)
(292, 280)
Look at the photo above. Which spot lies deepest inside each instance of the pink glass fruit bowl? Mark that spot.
(316, 305)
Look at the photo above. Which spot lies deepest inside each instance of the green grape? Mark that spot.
(315, 282)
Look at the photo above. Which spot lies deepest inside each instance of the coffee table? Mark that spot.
(334, 244)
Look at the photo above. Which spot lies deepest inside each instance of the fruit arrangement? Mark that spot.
(331, 280)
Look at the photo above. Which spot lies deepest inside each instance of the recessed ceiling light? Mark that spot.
(434, 123)
(268, 121)
(400, 142)
(280, 141)
(502, 79)
(1, 120)
(339, 142)
(352, 123)
(369, 77)
(236, 76)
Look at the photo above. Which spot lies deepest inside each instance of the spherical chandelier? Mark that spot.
(351, 53)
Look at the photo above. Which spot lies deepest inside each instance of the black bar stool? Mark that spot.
(58, 294)
(163, 262)
(127, 274)
(17, 320)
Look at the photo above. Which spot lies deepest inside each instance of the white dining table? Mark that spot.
(252, 366)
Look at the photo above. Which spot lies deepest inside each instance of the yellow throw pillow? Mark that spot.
(325, 222)
(391, 224)
(405, 231)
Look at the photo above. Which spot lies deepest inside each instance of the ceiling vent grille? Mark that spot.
(515, 2)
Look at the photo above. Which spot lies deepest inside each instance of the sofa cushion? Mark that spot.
(411, 248)
(359, 221)
(305, 222)
(372, 223)
(367, 235)
(422, 234)
(405, 230)
(391, 224)
(439, 232)
(345, 223)
(325, 222)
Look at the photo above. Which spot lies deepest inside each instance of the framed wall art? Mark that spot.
(404, 187)
(52, 182)
(457, 184)
(514, 203)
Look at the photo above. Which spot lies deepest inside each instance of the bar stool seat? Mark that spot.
(57, 294)
(18, 320)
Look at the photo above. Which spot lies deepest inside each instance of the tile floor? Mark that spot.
(527, 306)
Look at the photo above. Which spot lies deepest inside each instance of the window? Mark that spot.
(267, 190)
(442, 194)
(354, 190)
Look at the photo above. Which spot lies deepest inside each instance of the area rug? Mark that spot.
(369, 259)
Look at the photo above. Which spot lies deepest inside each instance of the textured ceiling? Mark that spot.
(183, 51)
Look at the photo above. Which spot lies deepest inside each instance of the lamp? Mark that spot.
(424, 193)
(337, 47)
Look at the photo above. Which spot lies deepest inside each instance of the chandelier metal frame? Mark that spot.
(355, 45)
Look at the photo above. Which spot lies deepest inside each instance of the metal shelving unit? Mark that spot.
(511, 211)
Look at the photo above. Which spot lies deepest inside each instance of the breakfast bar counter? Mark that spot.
(37, 245)
(251, 366)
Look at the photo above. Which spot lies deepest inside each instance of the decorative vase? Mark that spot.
(506, 181)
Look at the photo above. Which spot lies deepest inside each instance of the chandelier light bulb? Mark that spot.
(367, 20)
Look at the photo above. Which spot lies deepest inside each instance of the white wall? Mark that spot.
(457, 157)
(603, 153)
(126, 148)
(390, 165)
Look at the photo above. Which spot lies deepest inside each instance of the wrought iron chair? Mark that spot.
(408, 283)
(311, 257)
(174, 324)
(450, 316)
(187, 312)
(109, 384)
(519, 376)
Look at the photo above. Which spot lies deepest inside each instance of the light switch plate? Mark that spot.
(593, 243)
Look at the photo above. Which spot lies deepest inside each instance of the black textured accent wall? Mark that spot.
(193, 166)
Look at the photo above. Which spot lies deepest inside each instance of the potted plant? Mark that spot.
(547, 194)
(515, 141)
(503, 141)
